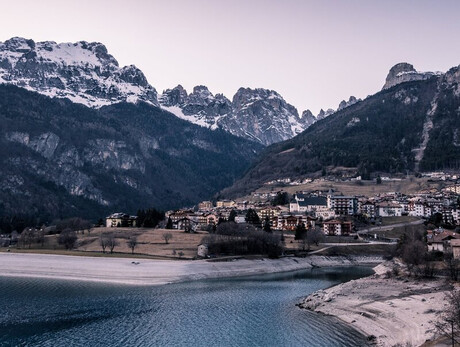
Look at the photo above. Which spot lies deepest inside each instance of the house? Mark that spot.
(205, 206)
(337, 228)
(368, 209)
(202, 251)
(302, 203)
(440, 241)
(180, 214)
(240, 218)
(342, 205)
(324, 213)
(270, 212)
(225, 204)
(120, 219)
(187, 224)
(455, 245)
(388, 209)
(290, 222)
(207, 219)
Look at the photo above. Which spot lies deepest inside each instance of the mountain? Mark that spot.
(64, 159)
(404, 72)
(85, 73)
(82, 72)
(259, 114)
(412, 126)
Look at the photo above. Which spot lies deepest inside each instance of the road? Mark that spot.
(389, 227)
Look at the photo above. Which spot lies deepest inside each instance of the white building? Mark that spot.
(202, 251)
(389, 209)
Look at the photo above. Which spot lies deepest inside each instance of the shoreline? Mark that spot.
(388, 310)
(148, 272)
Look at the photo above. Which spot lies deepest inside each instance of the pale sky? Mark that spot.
(314, 53)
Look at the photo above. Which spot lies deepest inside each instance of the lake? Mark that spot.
(245, 311)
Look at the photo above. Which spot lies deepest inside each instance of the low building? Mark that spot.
(225, 204)
(202, 251)
(302, 203)
(205, 206)
(325, 213)
(187, 224)
(388, 209)
(240, 218)
(441, 241)
(180, 214)
(368, 209)
(120, 219)
(337, 228)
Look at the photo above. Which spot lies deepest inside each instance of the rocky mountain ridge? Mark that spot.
(86, 73)
(258, 114)
(83, 72)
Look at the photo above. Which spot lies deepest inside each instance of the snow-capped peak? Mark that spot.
(83, 72)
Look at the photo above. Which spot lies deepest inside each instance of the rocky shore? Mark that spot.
(390, 310)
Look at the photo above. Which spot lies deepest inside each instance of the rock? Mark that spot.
(404, 72)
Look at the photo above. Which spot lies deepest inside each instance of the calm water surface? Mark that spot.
(248, 311)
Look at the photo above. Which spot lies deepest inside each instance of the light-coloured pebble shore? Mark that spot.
(396, 311)
(156, 272)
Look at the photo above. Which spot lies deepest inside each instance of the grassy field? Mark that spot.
(396, 220)
(367, 188)
(150, 244)
(399, 231)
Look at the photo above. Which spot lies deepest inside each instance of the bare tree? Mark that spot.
(112, 242)
(453, 265)
(27, 237)
(167, 237)
(315, 236)
(132, 243)
(103, 241)
(41, 236)
(449, 321)
(304, 244)
(68, 238)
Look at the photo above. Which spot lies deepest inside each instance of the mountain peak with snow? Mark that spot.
(83, 72)
(258, 114)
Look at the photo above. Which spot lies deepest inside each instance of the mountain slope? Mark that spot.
(62, 159)
(410, 126)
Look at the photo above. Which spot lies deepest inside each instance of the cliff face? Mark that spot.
(64, 159)
(404, 72)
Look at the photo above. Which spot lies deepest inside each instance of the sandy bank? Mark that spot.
(396, 311)
(155, 272)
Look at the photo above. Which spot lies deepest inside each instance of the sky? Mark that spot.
(313, 53)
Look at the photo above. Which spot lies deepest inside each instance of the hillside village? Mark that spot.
(290, 216)
(333, 213)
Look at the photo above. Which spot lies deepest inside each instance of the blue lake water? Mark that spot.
(247, 311)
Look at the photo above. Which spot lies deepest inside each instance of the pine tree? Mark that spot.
(267, 226)
(169, 224)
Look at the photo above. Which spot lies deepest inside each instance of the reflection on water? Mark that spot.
(245, 311)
